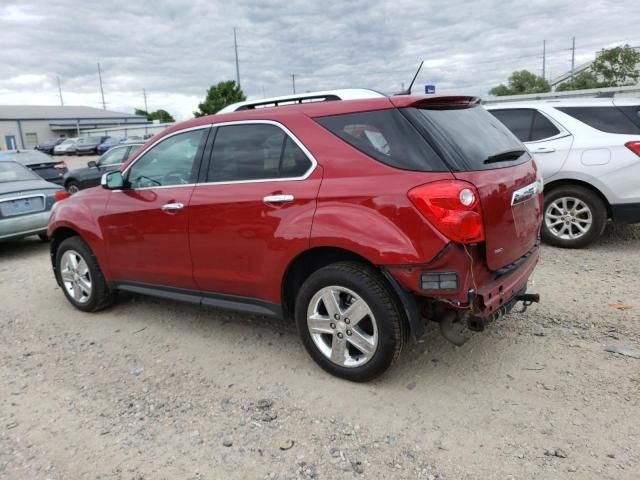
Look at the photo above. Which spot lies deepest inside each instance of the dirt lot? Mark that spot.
(154, 389)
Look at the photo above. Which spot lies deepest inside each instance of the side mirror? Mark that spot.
(92, 164)
(112, 180)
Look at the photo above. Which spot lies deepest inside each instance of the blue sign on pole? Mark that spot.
(429, 89)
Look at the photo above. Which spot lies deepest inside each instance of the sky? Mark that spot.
(176, 49)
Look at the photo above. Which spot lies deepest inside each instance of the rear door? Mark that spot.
(547, 141)
(253, 212)
(145, 225)
(483, 152)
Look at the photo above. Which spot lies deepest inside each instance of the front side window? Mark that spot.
(113, 157)
(255, 152)
(169, 162)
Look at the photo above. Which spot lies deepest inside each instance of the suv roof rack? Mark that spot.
(309, 97)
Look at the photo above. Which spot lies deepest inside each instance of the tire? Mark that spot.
(570, 209)
(382, 329)
(72, 187)
(43, 237)
(98, 296)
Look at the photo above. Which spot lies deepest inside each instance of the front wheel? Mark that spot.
(80, 276)
(574, 217)
(349, 321)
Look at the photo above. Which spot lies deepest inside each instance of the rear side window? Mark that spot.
(255, 152)
(605, 119)
(542, 128)
(387, 136)
(470, 138)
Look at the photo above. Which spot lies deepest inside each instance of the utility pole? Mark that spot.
(235, 45)
(104, 104)
(544, 59)
(293, 82)
(144, 94)
(573, 57)
(60, 92)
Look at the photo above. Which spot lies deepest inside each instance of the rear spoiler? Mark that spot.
(435, 101)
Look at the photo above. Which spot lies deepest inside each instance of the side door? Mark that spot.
(146, 223)
(253, 212)
(546, 140)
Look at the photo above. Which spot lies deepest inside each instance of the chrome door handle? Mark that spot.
(544, 150)
(278, 198)
(172, 207)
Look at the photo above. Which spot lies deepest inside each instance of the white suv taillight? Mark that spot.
(634, 147)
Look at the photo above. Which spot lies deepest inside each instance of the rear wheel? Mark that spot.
(574, 217)
(349, 321)
(80, 276)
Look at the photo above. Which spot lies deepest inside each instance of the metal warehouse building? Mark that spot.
(24, 126)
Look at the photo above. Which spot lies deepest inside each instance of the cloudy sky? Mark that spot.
(176, 49)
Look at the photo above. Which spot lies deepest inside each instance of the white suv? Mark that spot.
(588, 151)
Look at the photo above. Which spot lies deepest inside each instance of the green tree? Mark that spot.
(617, 66)
(520, 83)
(581, 81)
(218, 97)
(162, 115)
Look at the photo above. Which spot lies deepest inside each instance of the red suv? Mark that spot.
(358, 218)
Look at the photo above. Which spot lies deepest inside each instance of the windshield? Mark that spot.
(469, 138)
(69, 141)
(13, 172)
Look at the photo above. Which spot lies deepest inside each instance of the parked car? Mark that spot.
(68, 147)
(47, 167)
(588, 152)
(359, 219)
(82, 178)
(110, 142)
(134, 139)
(25, 202)
(49, 145)
(89, 145)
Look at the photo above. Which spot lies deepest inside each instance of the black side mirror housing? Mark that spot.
(92, 164)
(112, 180)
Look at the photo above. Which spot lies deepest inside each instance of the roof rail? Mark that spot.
(309, 97)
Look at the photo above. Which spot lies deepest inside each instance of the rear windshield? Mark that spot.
(12, 172)
(387, 136)
(469, 138)
(624, 120)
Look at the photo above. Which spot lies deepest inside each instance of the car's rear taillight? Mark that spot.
(61, 195)
(634, 147)
(60, 165)
(453, 207)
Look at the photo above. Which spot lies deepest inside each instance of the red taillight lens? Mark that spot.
(61, 195)
(453, 207)
(634, 147)
(60, 165)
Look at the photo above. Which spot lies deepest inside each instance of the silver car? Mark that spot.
(25, 202)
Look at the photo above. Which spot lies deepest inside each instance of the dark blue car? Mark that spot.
(109, 143)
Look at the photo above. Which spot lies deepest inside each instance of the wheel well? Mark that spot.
(305, 264)
(57, 237)
(562, 183)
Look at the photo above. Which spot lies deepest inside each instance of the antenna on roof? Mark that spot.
(408, 90)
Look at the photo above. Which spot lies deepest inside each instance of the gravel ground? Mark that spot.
(153, 389)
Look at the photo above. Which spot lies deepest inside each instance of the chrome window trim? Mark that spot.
(305, 150)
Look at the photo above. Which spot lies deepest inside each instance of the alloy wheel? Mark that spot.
(342, 326)
(75, 275)
(568, 218)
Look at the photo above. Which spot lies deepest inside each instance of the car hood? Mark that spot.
(26, 186)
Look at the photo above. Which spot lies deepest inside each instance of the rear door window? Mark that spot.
(542, 128)
(255, 152)
(387, 136)
(518, 120)
(605, 119)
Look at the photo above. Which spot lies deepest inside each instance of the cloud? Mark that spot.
(176, 49)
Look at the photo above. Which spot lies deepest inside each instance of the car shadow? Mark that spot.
(25, 247)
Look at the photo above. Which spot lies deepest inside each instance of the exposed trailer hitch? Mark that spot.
(527, 300)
